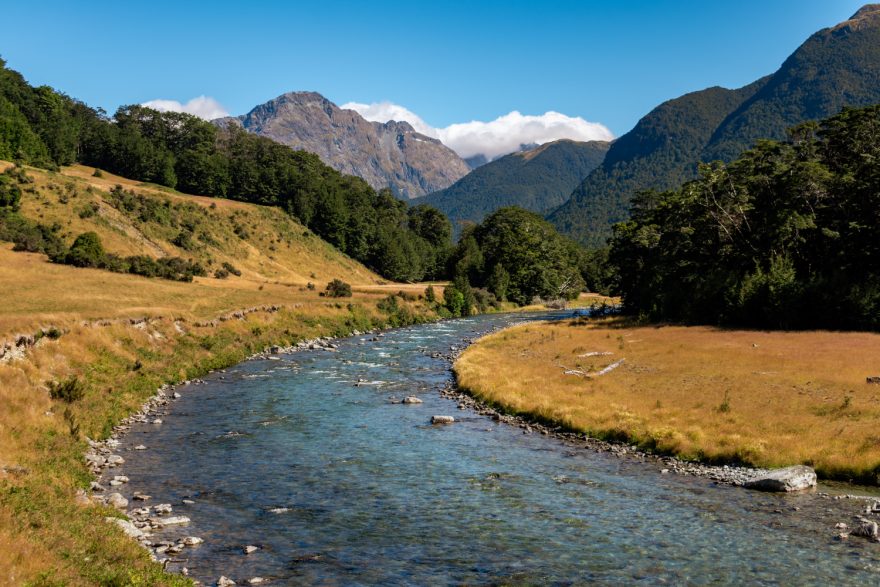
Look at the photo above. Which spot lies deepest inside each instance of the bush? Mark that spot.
(69, 390)
(230, 268)
(183, 240)
(89, 210)
(221, 273)
(338, 289)
(98, 173)
(86, 251)
(10, 193)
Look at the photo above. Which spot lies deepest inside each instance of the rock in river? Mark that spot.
(442, 419)
(411, 399)
(796, 478)
(116, 500)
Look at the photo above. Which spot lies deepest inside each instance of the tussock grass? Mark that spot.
(761, 398)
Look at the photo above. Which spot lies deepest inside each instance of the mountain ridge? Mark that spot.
(386, 155)
(836, 67)
(537, 179)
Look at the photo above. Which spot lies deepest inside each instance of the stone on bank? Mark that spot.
(796, 478)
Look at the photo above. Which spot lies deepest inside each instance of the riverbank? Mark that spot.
(701, 394)
(102, 344)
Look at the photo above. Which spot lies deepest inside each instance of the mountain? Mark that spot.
(661, 152)
(538, 179)
(390, 154)
(834, 68)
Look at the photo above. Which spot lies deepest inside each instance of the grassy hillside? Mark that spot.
(539, 180)
(122, 336)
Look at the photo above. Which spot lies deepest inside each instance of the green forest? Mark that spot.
(783, 237)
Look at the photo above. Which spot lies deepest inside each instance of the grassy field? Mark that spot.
(760, 398)
(88, 325)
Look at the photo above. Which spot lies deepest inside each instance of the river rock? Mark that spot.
(130, 529)
(114, 460)
(411, 399)
(116, 500)
(442, 419)
(256, 581)
(171, 521)
(192, 541)
(250, 549)
(796, 478)
(869, 530)
(225, 582)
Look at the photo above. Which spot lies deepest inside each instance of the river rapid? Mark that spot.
(338, 485)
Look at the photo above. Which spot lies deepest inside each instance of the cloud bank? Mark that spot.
(495, 138)
(203, 107)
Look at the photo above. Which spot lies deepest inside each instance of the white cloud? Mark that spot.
(385, 111)
(203, 107)
(495, 138)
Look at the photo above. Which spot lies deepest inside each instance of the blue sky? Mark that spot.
(448, 62)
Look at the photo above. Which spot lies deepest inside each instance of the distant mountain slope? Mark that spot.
(660, 153)
(390, 154)
(538, 180)
(836, 67)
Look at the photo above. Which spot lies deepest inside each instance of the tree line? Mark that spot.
(786, 236)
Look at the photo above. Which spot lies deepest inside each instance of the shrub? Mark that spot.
(10, 193)
(86, 251)
(430, 295)
(98, 173)
(89, 210)
(338, 289)
(221, 274)
(183, 240)
(69, 390)
(230, 268)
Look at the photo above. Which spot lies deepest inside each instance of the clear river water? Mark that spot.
(336, 485)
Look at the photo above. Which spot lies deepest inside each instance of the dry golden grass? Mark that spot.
(763, 398)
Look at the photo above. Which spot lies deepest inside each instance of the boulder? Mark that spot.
(192, 541)
(116, 500)
(869, 530)
(796, 478)
(442, 419)
(130, 529)
(250, 549)
(411, 399)
(225, 582)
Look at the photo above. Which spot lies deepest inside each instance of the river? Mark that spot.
(336, 485)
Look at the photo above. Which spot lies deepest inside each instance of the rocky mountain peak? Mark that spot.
(866, 16)
(390, 154)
